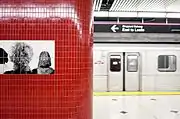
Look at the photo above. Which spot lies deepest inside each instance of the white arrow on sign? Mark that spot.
(114, 28)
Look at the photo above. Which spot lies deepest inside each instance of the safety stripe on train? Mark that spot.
(133, 93)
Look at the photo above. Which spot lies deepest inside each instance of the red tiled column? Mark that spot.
(67, 94)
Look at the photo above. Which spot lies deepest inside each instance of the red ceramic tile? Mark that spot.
(67, 94)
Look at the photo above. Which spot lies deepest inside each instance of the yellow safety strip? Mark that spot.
(133, 93)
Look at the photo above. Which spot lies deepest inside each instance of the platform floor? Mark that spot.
(136, 107)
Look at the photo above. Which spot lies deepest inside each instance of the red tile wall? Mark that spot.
(68, 93)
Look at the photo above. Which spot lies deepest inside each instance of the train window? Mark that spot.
(167, 63)
(115, 63)
(132, 63)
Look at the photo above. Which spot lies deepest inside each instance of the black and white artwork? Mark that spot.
(27, 57)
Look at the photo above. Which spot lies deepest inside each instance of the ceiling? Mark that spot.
(137, 5)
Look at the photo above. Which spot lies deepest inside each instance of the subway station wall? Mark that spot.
(45, 59)
(136, 37)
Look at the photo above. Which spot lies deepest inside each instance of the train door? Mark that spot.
(123, 71)
(115, 72)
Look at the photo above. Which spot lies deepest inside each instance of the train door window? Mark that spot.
(132, 63)
(167, 63)
(115, 63)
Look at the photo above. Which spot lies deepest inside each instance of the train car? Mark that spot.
(136, 67)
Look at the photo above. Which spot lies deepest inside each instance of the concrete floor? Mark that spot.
(136, 107)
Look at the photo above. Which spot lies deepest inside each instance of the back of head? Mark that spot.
(21, 55)
(3, 56)
(44, 59)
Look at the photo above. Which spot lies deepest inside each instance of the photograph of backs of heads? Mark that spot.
(27, 57)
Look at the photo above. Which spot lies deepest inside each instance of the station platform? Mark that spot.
(136, 106)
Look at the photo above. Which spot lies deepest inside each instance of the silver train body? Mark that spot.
(136, 67)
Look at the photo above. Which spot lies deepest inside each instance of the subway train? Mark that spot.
(136, 67)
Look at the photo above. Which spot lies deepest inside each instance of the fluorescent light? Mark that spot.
(101, 14)
(122, 14)
(115, 14)
(151, 14)
(173, 15)
(136, 14)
